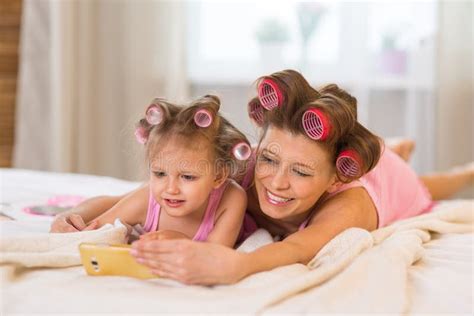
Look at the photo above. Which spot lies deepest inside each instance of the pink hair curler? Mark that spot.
(255, 111)
(316, 124)
(348, 163)
(154, 114)
(141, 134)
(203, 118)
(242, 151)
(269, 94)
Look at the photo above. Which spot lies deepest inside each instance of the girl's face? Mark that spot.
(182, 177)
(291, 174)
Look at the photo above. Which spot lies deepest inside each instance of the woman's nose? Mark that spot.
(280, 180)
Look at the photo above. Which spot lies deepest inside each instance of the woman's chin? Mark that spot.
(275, 211)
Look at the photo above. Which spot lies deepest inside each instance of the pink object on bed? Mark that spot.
(54, 205)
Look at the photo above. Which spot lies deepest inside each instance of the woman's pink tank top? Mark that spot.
(395, 189)
(207, 224)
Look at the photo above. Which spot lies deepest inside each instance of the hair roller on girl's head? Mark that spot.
(270, 94)
(154, 114)
(141, 134)
(349, 164)
(255, 111)
(316, 124)
(242, 151)
(203, 118)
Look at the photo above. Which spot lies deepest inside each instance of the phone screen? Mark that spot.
(48, 210)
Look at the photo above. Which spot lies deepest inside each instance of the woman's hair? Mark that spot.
(178, 123)
(337, 105)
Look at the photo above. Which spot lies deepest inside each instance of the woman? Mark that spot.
(317, 172)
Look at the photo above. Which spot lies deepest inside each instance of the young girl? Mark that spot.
(316, 172)
(192, 153)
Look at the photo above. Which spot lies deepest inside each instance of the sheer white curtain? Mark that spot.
(87, 71)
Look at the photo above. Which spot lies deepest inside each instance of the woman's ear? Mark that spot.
(335, 185)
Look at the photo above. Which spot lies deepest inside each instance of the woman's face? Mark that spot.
(291, 174)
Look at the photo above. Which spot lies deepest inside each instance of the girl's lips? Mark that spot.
(174, 203)
(275, 199)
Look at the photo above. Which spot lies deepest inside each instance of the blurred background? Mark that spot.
(75, 75)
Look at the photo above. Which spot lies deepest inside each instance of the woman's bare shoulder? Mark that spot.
(354, 206)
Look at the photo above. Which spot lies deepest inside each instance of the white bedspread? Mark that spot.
(421, 265)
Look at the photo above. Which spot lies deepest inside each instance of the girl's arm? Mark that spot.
(230, 216)
(206, 263)
(80, 217)
(131, 209)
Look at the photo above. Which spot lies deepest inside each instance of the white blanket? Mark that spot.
(420, 265)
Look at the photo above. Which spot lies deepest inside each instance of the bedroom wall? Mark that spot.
(455, 81)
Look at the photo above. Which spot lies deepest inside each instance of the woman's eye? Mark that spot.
(301, 174)
(188, 177)
(266, 159)
(159, 174)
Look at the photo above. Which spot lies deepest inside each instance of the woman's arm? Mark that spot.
(206, 263)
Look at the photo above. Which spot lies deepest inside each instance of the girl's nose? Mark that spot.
(172, 187)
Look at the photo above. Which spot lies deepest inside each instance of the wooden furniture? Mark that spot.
(10, 22)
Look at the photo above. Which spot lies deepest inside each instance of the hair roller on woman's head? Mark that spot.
(349, 164)
(256, 111)
(358, 153)
(270, 94)
(315, 123)
(293, 93)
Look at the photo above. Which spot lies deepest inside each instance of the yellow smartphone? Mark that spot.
(105, 259)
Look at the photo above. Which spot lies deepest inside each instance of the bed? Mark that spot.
(421, 265)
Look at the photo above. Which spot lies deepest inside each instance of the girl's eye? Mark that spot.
(188, 177)
(159, 174)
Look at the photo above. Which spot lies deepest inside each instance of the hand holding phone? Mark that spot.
(105, 259)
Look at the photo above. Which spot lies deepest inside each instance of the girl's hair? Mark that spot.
(337, 105)
(178, 122)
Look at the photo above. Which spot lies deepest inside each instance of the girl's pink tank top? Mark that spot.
(207, 224)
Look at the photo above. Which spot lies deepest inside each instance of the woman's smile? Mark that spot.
(277, 199)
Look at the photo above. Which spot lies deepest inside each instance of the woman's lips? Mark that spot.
(276, 199)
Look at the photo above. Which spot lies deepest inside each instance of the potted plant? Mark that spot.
(392, 58)
(272, 36)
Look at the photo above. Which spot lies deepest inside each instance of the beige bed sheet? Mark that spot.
(420, 265)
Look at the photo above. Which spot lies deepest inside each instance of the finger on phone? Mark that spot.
(77, 222)
(92, 225)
